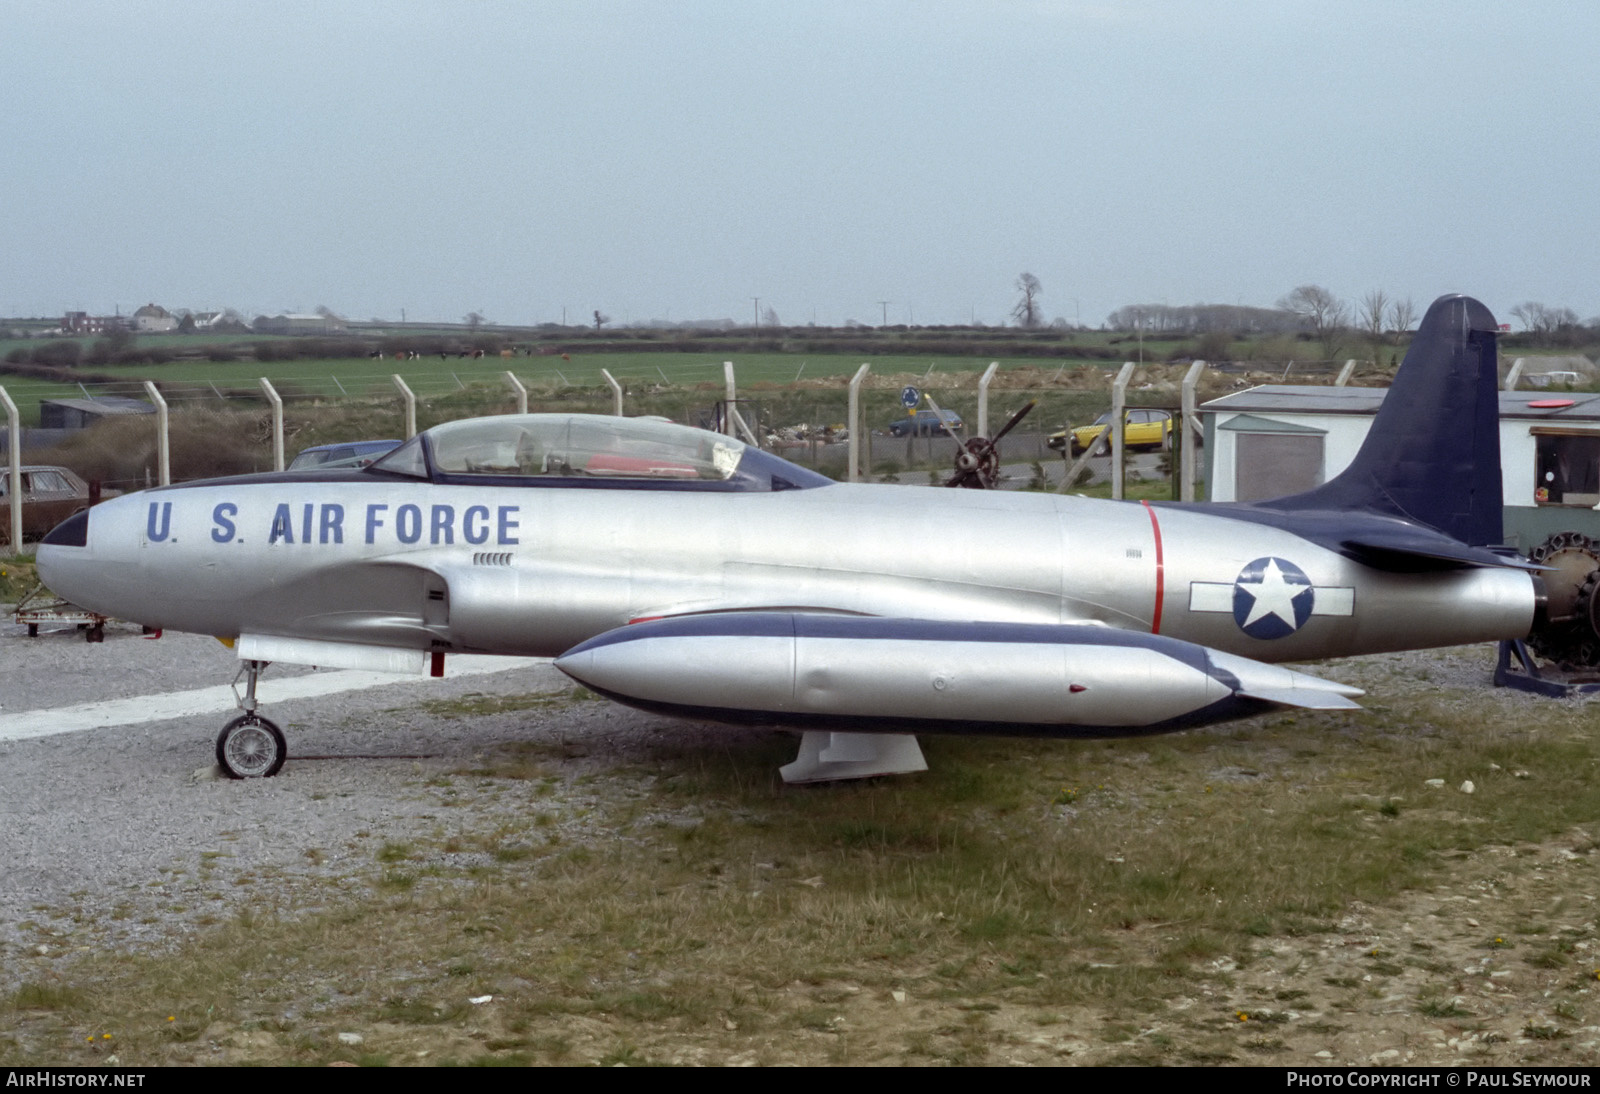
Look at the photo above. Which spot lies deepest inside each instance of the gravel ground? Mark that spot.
(111, 823)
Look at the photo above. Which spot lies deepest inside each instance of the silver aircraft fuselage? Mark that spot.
(534, 571)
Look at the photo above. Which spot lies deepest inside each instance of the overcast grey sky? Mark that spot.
(674, 160)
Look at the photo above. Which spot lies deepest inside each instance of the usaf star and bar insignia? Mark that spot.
(1271, 598)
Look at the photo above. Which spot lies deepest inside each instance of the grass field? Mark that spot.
(202, 382)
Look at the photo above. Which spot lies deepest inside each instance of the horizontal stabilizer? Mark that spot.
(1306, 698)
(1402, 553)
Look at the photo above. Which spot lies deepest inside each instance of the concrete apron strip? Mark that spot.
(47, 722)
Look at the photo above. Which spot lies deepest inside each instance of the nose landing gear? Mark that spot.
(250, 746)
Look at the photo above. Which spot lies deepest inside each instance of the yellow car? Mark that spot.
(1140, 429)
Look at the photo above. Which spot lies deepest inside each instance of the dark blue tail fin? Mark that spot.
(1433, 453)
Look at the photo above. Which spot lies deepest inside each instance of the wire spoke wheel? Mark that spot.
(251, 747)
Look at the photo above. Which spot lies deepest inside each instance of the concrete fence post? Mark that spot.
(983, 397)
(411, 406)
(14, 468)
(1119, 403)
(163, 434)
(854, 418)
(616, 391)
(277, 422)
(1186, 441)
(522, 393)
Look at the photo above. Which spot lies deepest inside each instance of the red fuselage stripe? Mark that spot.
(1161, 570)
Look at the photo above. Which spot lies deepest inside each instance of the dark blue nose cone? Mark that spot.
(72, 532)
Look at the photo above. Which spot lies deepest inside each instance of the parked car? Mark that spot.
(924, 423)
(347, 454)
(1140, 429)
(49, 496)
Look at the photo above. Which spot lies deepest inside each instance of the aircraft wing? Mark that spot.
(878, 675)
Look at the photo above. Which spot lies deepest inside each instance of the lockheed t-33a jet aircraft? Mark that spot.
(682, 572)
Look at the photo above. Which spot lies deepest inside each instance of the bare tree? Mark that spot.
(1374, 309)
(1549, 326)
(600, 320)
(1320, 312)
(1532, 314)
(1027, 312)
(769, 317)
(473, 320)
(1402, 313)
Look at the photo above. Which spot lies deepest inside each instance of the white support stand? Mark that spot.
(1515, 374)
(1345, 373)
(827, 757)
(730, 394)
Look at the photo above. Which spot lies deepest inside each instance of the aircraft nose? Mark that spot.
(63, 556)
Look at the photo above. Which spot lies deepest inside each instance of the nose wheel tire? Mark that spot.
(251, 747)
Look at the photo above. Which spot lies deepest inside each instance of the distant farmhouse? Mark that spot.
(79, 322)
(154, 319)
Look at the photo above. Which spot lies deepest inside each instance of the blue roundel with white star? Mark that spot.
(1272, 598)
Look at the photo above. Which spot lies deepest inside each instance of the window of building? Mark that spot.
(1566, 468)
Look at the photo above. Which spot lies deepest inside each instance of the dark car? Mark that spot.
(924, 423)
(49, 496)
(347, 454)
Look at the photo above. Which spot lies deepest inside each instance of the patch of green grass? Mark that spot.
(36, 996)
(477, 705)
(18, 575)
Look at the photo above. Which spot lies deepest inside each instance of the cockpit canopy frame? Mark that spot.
(589, 450)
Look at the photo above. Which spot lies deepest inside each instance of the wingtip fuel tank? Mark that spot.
(906, 676)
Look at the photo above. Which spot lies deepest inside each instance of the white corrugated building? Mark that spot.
(1280, 439)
